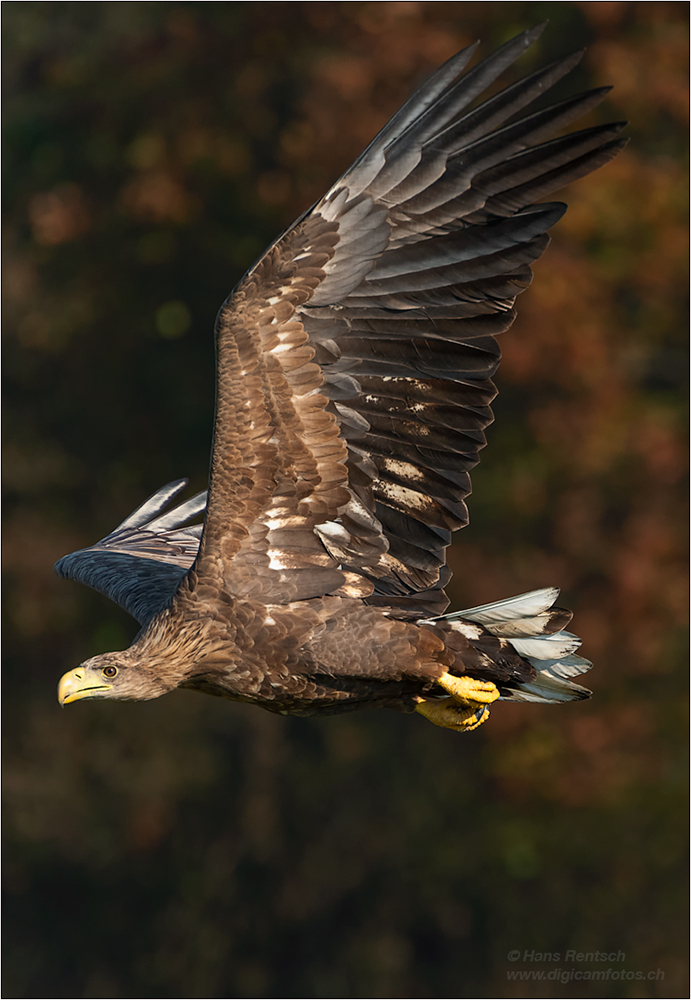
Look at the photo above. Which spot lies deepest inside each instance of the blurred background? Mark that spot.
(194, 848)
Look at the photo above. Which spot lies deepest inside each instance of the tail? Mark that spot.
(534, 627)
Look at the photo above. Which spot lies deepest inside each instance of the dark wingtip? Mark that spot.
(58, 570)
(575, 57)
(455, 64)
(532, 34)
(176, 484)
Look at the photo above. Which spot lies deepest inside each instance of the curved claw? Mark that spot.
(450, 715)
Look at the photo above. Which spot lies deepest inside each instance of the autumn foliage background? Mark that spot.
(194, 848)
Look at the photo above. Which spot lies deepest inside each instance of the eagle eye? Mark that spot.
(110, 672)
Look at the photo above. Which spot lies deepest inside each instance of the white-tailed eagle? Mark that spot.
(354, 386)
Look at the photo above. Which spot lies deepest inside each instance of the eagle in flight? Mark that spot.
(354, 368)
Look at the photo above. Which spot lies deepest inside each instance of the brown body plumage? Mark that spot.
(354, 366)
(290, 658)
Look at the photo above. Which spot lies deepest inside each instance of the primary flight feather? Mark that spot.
(354, 367)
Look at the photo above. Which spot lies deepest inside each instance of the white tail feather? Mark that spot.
(547, 689)
(522, 621)
(535, 602)
(547, 647)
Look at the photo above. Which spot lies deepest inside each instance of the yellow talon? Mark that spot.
(468, 690)
(448, 714)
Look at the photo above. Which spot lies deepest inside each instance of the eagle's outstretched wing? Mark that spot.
(140, 564)
(355, 358)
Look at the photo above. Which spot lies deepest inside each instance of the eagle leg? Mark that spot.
(469, 691)
(448, 714)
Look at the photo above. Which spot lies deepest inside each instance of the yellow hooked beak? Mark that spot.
(75, 685)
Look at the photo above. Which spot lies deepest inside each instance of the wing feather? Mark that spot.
(384, 303)
(140, 564)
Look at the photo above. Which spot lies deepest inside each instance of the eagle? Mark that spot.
(353, 389)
